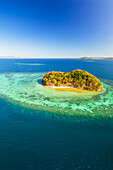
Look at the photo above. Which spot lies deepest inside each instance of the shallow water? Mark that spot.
(24, 88)
(56, 135)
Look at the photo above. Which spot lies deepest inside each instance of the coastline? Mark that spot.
(72, 89)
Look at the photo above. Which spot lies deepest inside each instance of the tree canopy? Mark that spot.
(76, 79)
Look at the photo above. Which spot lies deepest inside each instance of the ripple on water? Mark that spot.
(25, 89)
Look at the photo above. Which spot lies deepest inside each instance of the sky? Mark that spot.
(56, 28)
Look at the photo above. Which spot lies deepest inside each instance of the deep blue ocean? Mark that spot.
(40, 140)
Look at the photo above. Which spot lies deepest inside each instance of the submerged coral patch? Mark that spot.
(23, 88)
(29, 64)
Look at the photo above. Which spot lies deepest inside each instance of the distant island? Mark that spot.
(75, 79)
(96, 58)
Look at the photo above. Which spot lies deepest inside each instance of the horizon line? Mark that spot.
(71, 57)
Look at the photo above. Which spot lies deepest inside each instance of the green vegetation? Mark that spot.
(76, 79)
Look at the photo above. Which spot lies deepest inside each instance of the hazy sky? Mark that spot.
(56, 28)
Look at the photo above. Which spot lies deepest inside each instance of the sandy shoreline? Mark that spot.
(71, 89)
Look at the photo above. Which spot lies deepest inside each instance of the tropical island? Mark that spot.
(79, 79)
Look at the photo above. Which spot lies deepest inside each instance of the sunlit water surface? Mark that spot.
(42, 128)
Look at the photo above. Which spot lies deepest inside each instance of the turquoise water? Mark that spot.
(44, 129)
(26, 90)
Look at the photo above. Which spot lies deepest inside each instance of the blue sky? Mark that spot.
(56, 28)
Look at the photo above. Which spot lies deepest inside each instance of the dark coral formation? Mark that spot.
(75, 79)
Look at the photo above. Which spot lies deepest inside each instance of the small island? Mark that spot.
(79, 79)
(93, 58)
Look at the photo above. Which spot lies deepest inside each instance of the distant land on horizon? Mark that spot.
(13, 57)
(97, 58)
